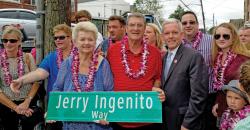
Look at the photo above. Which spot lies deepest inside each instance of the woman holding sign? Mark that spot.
(84, 71)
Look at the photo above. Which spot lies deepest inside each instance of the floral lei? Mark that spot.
(75, 71)
(230, 118)
(143, 67)
(196, 41)
(219, 70)
(59, 58)
(5, 65)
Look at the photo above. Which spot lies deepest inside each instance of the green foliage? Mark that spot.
(177, 13)
(147, 6)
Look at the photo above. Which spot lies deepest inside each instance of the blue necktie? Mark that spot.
(168, 64)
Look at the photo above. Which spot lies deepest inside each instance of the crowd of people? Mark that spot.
(202, 80)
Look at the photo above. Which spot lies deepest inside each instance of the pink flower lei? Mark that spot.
(75, 71)
(143, 67)
(59, 58)
(231, 118)
(219, 69)
(5, 65)
(196, 41)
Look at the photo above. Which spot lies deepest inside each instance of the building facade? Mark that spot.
(104, 8)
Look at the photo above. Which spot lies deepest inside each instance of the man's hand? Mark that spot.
(161, 94)
(16, 85)
(183, 128)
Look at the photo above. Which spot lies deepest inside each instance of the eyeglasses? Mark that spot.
(225, 36)
(60, 37)
(9, 40)
(190, 22)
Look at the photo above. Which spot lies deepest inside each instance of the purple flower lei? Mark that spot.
(59, 58)
(196, 41)
(5, 65)
(143, 67)
(231, 118)
(75, 71)
(219, 70)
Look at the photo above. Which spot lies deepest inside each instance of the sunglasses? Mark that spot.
(9, 40)
(60, 37)
(191, 23)
(225, 36)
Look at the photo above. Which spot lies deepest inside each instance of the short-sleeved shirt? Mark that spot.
(124, 83)
(103, 81)
(49, 64)
(243, 124)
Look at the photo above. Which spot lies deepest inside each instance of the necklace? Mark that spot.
(5, 65)
(196, 41)
(75, 71)
(143, 65)
(219, 69)
(59, 57)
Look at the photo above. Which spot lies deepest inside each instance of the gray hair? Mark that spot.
(136, 15)
(173, 20)
(85, 27)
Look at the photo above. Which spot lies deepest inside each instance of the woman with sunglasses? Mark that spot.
(227, 56)
(16, 109)
(50, 65)
(84, 71)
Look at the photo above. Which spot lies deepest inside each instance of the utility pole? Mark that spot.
(213, 19)
(203, 17)
(40, 29)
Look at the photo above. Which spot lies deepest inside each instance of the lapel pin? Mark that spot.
(175, 61)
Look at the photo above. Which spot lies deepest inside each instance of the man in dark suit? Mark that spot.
(184, 81)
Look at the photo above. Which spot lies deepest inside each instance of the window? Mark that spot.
(114, 11)
(8, 14)
(120, 12)
(27, 15)
(33, 2)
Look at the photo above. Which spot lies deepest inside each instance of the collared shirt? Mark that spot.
(204, 48)
(124, 83)
(169, 61)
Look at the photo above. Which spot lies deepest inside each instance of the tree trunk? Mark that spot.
(56, 13)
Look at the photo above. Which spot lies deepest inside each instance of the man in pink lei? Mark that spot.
(136, 66)
(201, 42)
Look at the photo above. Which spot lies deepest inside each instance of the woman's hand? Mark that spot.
(102, 122)
(16, 85)
(161, 94)
(24, 107)
(214, 110)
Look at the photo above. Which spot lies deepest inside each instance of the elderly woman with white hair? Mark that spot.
(83, 71)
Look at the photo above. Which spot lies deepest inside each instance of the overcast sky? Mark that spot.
(223, 10)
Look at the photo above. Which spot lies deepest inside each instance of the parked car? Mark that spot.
(26, 18)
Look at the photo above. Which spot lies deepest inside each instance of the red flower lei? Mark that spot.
(219, 69)
(75, 71)
(143, 67)
(59, 58)
(231, 118)
(5, 65)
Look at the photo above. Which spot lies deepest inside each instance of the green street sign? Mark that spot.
(111, 106)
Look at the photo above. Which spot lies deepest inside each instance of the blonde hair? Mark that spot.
(157, 32)
(85, 27)
(236, 47)
(245, 76)
(13, 30)
(63, 27)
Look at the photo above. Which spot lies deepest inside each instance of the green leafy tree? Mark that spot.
(148, 7)
(177, 13)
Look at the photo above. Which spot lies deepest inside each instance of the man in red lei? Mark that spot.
(136, 66)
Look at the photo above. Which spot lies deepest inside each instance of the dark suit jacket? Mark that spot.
(186, 89)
